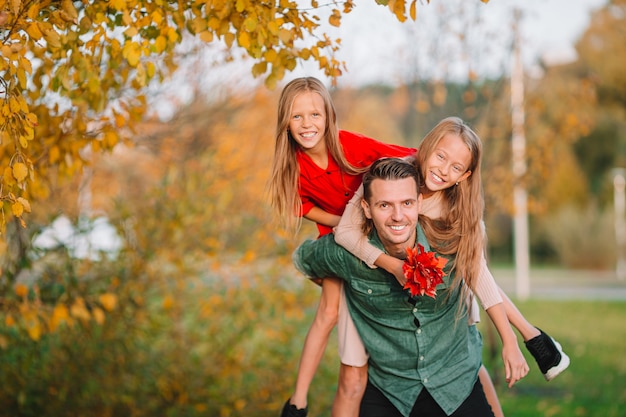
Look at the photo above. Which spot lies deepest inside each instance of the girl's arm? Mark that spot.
(489, 295)
(515, 365)
(349, 234)
(320, 216)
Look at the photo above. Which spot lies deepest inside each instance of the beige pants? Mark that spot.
(351, 349)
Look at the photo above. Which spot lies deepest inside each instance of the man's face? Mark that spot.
(393, 208)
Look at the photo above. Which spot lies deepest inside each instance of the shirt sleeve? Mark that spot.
(349, 232)
(486, 289)
(323, 258)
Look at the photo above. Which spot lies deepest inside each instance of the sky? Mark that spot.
(374, 42)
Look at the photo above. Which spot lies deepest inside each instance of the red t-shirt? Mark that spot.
(330, 189)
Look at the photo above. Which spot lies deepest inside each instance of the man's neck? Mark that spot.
(399, 251)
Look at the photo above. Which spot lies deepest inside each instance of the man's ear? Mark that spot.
(366, 209)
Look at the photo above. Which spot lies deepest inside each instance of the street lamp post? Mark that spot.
(619, 183)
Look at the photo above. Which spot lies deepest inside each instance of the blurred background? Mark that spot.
(158, 281)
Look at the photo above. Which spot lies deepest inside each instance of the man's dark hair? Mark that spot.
(387, 169)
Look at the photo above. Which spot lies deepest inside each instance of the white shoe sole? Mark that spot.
(560, 367)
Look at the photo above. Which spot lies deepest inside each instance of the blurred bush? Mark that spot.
(219, 339)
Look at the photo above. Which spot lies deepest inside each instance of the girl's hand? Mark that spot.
(515, 365)
(392, 265)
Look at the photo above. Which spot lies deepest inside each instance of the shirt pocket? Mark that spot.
(379, 297)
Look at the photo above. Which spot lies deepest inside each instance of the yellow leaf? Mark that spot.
(110, 139)
(270, 55)
(120, 120)
(14, 105)
(206, 36)
(54, 154)
(15, 6)
(229, 38)
(19, 171)
(23, 142)
(98, 315)
(59, 315)
(131, 31)
(17, 209)
(157, 17)
(8, 176)
(52, 38)
(21, 77)
(160, 44)
(413, 11)
(108, 301)
(132, 53)
(33, 31)
(244, 40)
(172, 35)
(24, 203)
(118, 4)
(68, 7)
(79, 310)
(9, 321)
(21, 290)
(150, 69)
(335, 18)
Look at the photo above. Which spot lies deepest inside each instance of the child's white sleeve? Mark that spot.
(486, 289)
(349, 232)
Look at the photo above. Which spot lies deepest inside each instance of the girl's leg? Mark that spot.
(352, 383)
(490, 392)
(547, 352)
(353, 370)
(317, 339)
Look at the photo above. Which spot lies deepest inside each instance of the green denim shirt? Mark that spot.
(413, 343)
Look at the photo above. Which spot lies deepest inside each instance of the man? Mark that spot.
(424, 359)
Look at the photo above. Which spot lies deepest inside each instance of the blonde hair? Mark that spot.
(284, 180)
(459, 230)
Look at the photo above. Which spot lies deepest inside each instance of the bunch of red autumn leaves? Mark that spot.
(423, 271)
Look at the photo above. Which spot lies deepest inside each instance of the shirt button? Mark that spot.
(415, 310)
(419, 331)
(421, 358)
(369, 291)
(425, 380)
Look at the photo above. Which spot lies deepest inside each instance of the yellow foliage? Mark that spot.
(20, 171)
(60, 314)
(79, 310)
(21, 290)
(108, 301)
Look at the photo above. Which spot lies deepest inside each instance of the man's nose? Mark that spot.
(397, 213)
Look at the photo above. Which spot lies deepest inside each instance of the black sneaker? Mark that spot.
(290, 410)
(548, 354)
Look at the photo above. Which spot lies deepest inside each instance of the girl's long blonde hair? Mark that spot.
(459, 230)
(283, 185)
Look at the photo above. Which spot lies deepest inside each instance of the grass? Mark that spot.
(592, 333)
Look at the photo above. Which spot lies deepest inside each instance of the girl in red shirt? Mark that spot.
(315, 171)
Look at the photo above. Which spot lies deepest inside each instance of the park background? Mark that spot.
(156, 280)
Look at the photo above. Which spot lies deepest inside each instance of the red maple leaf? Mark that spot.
(423, 271)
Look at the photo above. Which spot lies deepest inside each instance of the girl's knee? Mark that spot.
(352, 381)
(327, 316)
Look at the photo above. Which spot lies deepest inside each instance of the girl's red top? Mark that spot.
(330, 189)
